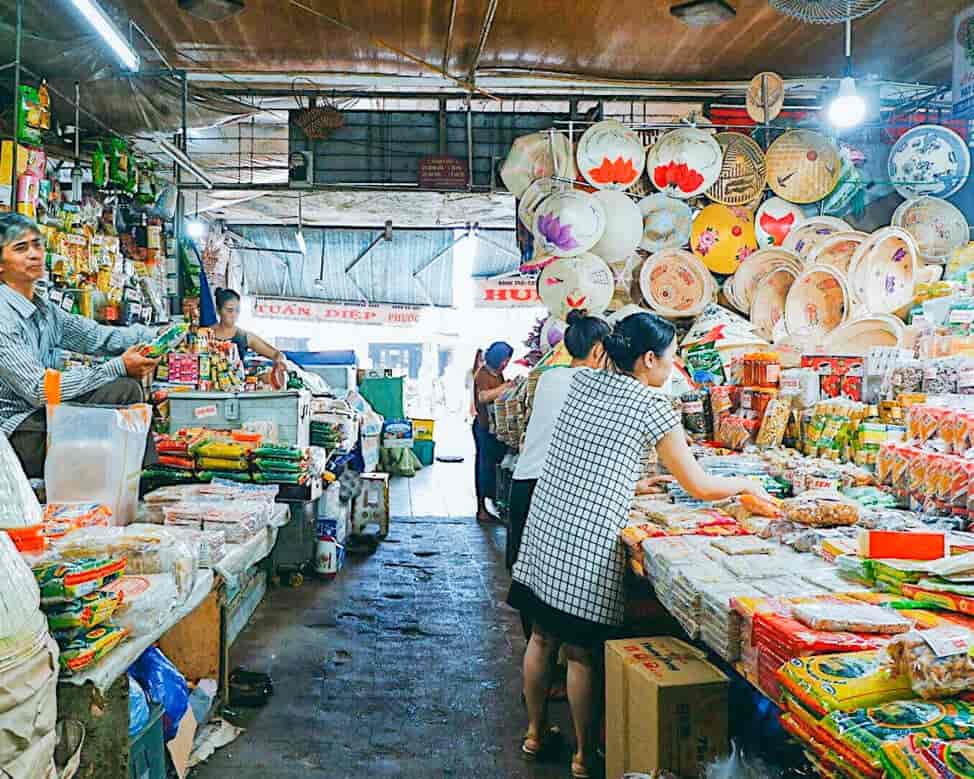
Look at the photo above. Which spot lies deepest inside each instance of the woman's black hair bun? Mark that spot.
(575, 316)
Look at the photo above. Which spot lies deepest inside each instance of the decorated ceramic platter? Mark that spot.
(929, 160)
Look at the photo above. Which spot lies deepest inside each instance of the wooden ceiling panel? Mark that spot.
(624, 39)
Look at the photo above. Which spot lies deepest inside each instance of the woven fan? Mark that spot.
(318, 121)
(825, 11)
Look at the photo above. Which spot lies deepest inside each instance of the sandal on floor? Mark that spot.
(533, 748)
(580, 771)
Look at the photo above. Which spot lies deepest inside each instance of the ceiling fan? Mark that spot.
(825, 11)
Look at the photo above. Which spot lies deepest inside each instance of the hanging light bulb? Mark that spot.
(848, 108)
(195, 229)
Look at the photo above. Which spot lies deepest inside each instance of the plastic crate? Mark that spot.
(425, 451)
(423, 429)
(147, 749)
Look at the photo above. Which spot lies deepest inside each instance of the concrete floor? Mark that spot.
(408, 664)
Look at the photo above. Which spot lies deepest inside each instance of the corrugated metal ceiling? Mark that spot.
(401, 271)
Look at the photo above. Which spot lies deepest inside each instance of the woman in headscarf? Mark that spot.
(488, 385)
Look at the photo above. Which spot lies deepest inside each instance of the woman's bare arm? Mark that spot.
(675, 454)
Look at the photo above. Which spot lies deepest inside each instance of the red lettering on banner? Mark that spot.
(523, 294)
(495, 294)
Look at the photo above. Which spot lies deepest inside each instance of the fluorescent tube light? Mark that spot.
(98, 19)
(184, 162)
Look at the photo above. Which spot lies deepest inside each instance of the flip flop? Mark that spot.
(580, 771)
(533, 748)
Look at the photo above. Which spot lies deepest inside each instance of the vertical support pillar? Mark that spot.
(16, 141)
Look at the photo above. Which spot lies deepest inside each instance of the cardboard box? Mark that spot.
(666, 707)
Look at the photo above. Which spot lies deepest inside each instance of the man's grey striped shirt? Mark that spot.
(32, 335)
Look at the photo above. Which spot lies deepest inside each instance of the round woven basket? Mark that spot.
(883, 270)
(768, 303)
(675, 284)
(837, 249)
(859, 335)
(744, 172)
(807, 235)
(938, 227)
(803, 166)
(745, 281)
(818, 302)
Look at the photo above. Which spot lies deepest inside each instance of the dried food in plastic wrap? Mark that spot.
(149, 549)
(63, 518)
(923, 421)
(146, 601)
(855, 617)
(787, 587)
(19, 507)
(723, 400)
(744, 545)
(802, 385)
(761, 566)
(843, 682)
(905, 376)
(940, 376)
(772, 431)
(63, 580)
(736, 432)
(938, 661)
(85, 612)
(697, 416)
(821, 509)
(88, 648)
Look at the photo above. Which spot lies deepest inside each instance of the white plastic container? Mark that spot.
(95, 455)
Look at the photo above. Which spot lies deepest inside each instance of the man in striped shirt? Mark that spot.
(32, 334)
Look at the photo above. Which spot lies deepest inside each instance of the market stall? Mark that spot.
(829, 363)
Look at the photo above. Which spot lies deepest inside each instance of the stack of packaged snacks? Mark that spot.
(865, 732)
(921, 757)
(282, 464)
(78, 608)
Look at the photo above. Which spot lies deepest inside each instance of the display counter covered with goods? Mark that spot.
(832, 365)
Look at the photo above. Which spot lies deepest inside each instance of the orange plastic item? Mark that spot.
(28, 540)
(244, 437)
(902, 545)
(761, 507)
(52, 387)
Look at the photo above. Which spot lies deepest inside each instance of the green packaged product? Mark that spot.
(29, 127)
(167, 340)
(865, 731)
(706, 365)
(84, 613)
(99, 167)
(279, 477)
(90, 647)
(282, 466)
(61, 581)
(118, 169)
(276, 452)
(237, 476)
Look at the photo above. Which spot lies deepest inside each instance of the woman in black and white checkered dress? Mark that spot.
(568, 578)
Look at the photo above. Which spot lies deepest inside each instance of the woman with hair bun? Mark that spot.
(568, 577)
(228, 309)
(583, 339)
